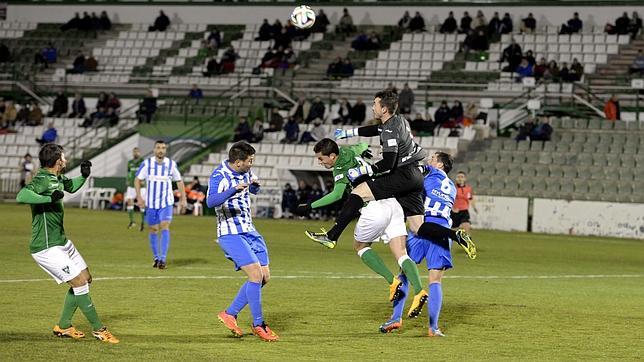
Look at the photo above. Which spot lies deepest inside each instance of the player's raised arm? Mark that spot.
(364, 131)
(72, 185)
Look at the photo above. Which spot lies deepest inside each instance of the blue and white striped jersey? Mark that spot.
(439, 197)
(234, 214)
(158, 177)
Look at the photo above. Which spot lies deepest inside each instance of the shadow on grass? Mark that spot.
(188, 261)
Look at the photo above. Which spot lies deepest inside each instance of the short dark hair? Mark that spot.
(389, 99)
(461, 172)
(159, 142)
(240, 151)
(446, 160)
(49, 154)
(326, 146)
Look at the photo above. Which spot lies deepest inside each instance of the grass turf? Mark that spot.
(527, 296)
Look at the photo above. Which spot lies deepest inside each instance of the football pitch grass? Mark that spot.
(526, 297)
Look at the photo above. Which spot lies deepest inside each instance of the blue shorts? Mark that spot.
(436, 256)
(244, 249)
(156, 216)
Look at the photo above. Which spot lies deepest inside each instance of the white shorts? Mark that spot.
(130, 193)
(380, 220)
(63, 263)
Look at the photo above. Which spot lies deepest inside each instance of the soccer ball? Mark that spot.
(303, 17)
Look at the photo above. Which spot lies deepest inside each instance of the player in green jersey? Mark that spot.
(49, 245)
(379, 220)
(130, 195)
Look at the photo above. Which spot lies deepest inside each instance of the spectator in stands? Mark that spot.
(638, 64)
(300, 111)
(91, 64)
(479, 42)
(344, 112)
(111, 118)
(480, 22)
(9, 115)
(257, 130)
(358, 112)
(471, 114)
(289, 201)
(35, 115)
(303, 192)
(466, 23)
(494, 26)
(529, 24)
(524, 70)
(101, 101)
(23, 114)
(573, 25)
(161, 23)
(442, 114)
(74, 23)
(50, 53)
(317, 110)
(622, 24)
(5, 54)
(525, 130)
(506, 24)
(315, 134)
(283, 40)
(636, 25)
(147, 107)
(60, 107)
(271, 58)
(204, 50)
(392, 87)
(346, 26)
(422, 127)
(265, 31)
(40, 61)
(96, 23)
(406, 99)
(276, 122)
(78, 66)
(346, 68)
(552, 72)
(292, 131)
(212, 67)
(449, 26)
(321, 23)
(49, 136)
(542, 132)
(576, 71)
(95, 119)
(27, 168)
(611, 109)
(361, 42)
(78, 107)
(513, 55)
(113, 103)
(289, 59)
(530, 57)
(214, 39)
(540, 69)
(242, 131)
(228, 60)
(417, 23)
(564, 72)
(195, 93)
(457, 111)
(403, 23)
(104, 21)
(374, 42)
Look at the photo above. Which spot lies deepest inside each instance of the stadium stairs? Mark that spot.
(587, 159)
(615, 72)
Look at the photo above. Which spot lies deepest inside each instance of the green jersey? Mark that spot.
(132, 169)
(46, 217)
(348, 158)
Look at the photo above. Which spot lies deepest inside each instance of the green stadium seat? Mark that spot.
(581, 123)
(579, 138)
(496, 144)
(550, 147)
(594, 124)
(520, 157)
(536, 146)
(580, 186)
(545, 158)
(595, 187)
(593, 138)
(584, 159)
(479, 157)
(569, 173)
(567, 124)
(562, 146)
(620, 125)
(620, 139)
(542, 171)
(555, 123)
(588, 148)
(526, 185)
(528, 170)
(599, 159)
(555, 171)
(523, 146)
(506, 156)
(492, 157)
(510, 145)
(606, 125)
(515, 171)
(626, 174)
(566, 138)
(566, 190)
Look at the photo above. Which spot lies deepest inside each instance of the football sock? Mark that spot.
(142, 216)
(375, 263)
(435, 303)
(399, 305)
(254, 296)
(165, 244)
(349, 211)
(154, 245)
(84, 303)
(68, 310)
(239, 302)
(130, 213)
(411, 271)
(436, 234)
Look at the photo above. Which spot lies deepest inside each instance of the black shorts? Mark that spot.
(459, 218)
(406, 184)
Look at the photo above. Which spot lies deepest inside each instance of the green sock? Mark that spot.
(86, 306)
(142, 216)
(68, 310)
(411, 272)
(373, 261)
(130, 214)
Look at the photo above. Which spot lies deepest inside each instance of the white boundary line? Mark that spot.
(348, 276)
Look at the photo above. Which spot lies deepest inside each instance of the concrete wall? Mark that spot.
(500, 213)
(381, 15)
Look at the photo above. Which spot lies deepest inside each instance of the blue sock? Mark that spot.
(254, 296)
(154, 245)
(165, 244)
(239, 302)
(435, 303)
(399, 305)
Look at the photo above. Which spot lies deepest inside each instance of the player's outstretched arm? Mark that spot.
(28, 196)
(365, 131)
(333, 196)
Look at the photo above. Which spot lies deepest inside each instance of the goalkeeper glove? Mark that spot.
(345, 133)
(56, 195)
(303, 209)
(254, 187)
(354, 173)
(86, 168)
(367, 154)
